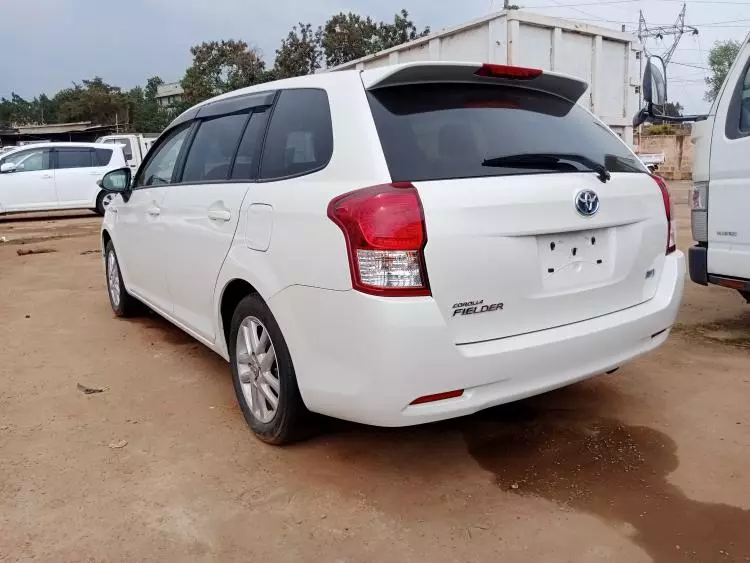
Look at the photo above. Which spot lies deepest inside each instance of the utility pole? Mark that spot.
(678, 29)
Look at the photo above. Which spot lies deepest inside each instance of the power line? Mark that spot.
(690, 65)
(585, 13)
(678, 29)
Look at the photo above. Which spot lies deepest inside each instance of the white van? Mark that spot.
(134, 146)
(720, 197)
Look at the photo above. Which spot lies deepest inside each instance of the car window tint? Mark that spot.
(31, 161)
(102, 157)
(210, 155)
(442, 131)
(28, 161)
(300, 137)
(745, 103)
(74, 157)
(248, 155)
(127, 148)
(160, 167)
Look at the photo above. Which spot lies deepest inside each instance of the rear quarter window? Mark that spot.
(444, 131)
(102, 156)
(300, 135)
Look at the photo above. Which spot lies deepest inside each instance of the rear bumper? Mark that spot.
(698, 264)
(365, 358)
(698, 267)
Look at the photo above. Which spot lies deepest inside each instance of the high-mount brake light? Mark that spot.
(505, 71)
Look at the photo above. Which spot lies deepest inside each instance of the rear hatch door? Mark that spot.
(537, 215)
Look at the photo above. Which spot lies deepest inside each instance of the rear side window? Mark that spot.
(102, 157)
(210, 155)
(738, 112)
(444, 131)
(300, 136)
(75, 157)
(248, 155)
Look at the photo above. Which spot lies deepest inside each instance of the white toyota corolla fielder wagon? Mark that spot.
(399, 245)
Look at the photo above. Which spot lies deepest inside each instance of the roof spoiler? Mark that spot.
(566, 87)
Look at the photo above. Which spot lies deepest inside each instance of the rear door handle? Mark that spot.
(219, 215)
(154, 211)
(46, 176)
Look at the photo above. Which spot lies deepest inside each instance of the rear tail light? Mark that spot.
(699, 211)
(504, 71)
(385, 237)
(669, 210)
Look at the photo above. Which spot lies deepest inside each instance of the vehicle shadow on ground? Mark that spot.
(9, 219)
(564, 448)
(734, 331)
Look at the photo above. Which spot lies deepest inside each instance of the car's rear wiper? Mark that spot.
(548, 161)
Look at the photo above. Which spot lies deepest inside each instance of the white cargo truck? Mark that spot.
(720, 196)
(608, 60)
(134, 145)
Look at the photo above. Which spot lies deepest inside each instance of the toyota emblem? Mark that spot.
(587, 203)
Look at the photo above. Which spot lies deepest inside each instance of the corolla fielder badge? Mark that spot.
(587, 202)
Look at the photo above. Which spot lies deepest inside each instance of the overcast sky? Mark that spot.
(57, 42)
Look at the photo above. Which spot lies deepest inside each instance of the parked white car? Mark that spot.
(53, 176)
(398, 245)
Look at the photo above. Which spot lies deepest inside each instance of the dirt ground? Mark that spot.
(651, 463)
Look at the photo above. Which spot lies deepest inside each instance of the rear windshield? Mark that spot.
(443, 131)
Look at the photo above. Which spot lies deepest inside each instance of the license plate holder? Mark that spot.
(574, 259)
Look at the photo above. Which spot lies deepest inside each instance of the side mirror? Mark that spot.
(7, 167)
(655, 85)
(117, 181)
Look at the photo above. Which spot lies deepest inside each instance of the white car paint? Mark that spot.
(367, 357)
(52, 187)
(134, 146)
(721, 177)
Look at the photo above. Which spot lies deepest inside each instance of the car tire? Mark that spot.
(261, 380)
(123, 304)
(102, 201)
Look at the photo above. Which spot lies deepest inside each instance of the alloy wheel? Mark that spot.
(257, 368)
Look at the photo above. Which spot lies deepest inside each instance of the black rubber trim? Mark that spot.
(698, 264)
(236, 104)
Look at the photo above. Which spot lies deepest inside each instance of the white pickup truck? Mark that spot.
(134, 145)
(720, 196)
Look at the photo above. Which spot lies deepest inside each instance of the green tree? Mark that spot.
(300, 53)
(146, 114)
(347, 37)
(673, 109)
(400, 31)
(93, 100)
(720, 60)
(220, 67)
